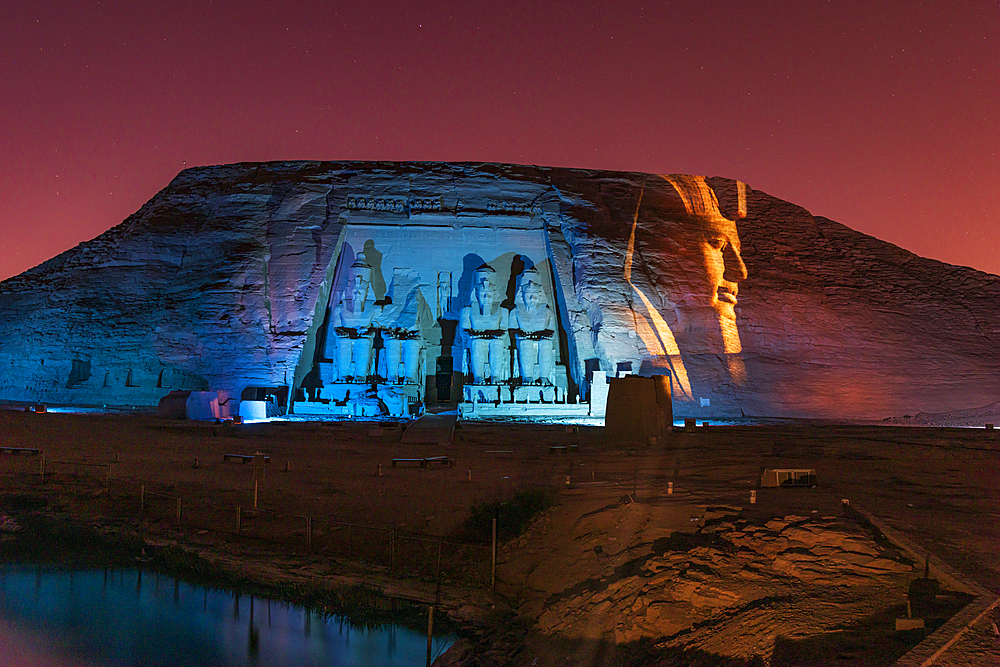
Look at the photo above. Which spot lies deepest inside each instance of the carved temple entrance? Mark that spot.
(425, 317)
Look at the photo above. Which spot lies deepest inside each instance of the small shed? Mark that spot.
(638, 407)
(788, 477)
(173, 405)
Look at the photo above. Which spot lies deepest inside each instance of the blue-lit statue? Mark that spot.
(533, 325)
(352, 324)
(484, 322)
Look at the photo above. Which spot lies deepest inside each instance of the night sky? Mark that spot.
(880, 115)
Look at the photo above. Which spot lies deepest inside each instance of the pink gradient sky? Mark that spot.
(880, 115)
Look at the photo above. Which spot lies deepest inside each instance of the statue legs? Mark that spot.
(499, 360)
(547, 361)
(343, 358)
(411, 359)
(527, 354)
(354, 358)
(362, 358)
(480, 351)
(494, 352)
(536, 360)
(393, 357)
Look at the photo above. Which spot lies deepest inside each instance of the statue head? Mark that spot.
(484, 285)
(530, 288)
(360, 280)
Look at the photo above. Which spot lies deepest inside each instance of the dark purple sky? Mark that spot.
(884, 116)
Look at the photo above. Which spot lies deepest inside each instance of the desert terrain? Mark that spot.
(617, 569)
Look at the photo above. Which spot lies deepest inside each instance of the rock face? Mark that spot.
(228, 279)
(727, 570)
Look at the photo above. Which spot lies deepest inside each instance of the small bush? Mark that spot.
(512, 515)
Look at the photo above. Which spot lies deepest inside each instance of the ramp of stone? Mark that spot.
(435, 429)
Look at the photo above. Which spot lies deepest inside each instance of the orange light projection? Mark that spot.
(703, 259)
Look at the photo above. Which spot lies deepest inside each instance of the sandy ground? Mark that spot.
(937, 485)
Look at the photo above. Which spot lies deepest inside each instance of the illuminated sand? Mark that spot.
(936, 485)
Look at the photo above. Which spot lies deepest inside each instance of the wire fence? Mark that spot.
(404, 554)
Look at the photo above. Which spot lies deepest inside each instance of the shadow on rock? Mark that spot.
(871, 641)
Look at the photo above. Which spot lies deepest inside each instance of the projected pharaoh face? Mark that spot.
(713, 252)
(694, 254)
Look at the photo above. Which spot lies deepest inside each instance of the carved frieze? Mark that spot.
(509, 207)
(434, 204)
(368, 203)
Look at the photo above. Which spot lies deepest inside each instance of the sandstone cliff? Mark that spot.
(224, 280)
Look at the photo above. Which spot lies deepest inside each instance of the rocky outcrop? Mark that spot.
(225, 280)
(729, 567)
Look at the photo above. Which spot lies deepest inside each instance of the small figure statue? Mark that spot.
(351, 321)
(443, 293)
(533, 324)
(484, 322)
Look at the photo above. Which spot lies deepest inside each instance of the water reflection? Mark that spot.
(57, 618)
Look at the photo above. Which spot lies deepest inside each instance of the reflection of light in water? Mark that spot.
(114, 618)
(72, 409)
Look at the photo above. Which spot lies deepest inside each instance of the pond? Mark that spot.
(109, 618)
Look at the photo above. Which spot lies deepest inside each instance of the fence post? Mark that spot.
(41, 467)
(258, 465)
(493, 565)
(438, 573)
(392, 548)
(142, 498)
(430, 631)
(309, 532)
(350, 529)
(239, 511)
(178, 511)
(255, 494)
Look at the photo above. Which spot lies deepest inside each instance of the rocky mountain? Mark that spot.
(227, 278)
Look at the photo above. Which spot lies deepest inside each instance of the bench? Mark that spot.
(427, 461)
(420, 461)
(19, 450)
(242, 458)
(440, 460)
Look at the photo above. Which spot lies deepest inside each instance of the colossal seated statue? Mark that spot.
(484, 322)
(533, 325)
(351, 322)
(399, 323)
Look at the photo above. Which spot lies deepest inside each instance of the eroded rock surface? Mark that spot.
(730, 587)
(225, 281)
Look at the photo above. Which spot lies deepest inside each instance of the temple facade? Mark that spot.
(442, 309)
